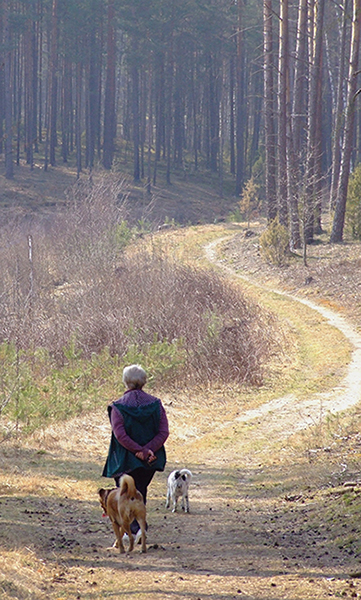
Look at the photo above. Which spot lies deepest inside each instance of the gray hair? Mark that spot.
(134, 377)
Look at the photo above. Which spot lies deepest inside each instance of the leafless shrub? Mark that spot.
(80, 287)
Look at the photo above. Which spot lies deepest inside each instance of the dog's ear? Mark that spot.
(184, 477)
(177, 475)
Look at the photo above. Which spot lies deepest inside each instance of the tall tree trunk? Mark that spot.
(2, 85)
(340, 209)
(136, 121)
(78, 127)
(53, 82)
(300, 84)
(35, 52)
(269, 112)
(213, 76)
(240, 95)
(40, 84)
(222, 125)
(297, 125)
(194, 100)
(92, 104)
(169, 107)
(143, 119)
(66, 109)
(150, 128)
(337, 127)
(178, 108)
(159, 107)
(30, 90)
(314, 148)
(232, 157)
(283, 97)
(17, 78)
(256, 116)
(319, 179)
(109, 100)
(9, 165)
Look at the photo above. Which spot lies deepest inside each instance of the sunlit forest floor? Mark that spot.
(189, 199)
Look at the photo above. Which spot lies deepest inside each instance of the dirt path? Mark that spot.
(255, 531)
(284, 416)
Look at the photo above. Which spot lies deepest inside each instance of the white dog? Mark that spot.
(178, 484)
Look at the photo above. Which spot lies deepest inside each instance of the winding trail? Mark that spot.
(258, 529)
(288, 414)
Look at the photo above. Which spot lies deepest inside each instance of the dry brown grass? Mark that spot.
(268, 519)
(79, 286)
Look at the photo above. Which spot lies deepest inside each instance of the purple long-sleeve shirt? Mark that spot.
(138, 398)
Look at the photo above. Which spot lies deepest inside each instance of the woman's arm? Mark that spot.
(163, 433)
(117, 423)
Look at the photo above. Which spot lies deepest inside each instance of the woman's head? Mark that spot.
(134, 377)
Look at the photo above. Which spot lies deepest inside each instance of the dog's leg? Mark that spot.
(119, 536)
(175, 500)
(144, 536)
(185, 502)
(167, 502)
(126, 529)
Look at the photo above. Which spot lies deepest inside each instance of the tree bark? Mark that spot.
(150, 129)
(93, 97)
(240, 125)
(283, 99)
(78, 128)
(178, 107)
(296, 126)
(340, 209)
(232, 157)
(269, 111)
(53, 82)
(337, 127)
(194, 100)
(135, 115)
(213, 89)
(9, 165)
(109, 100)
(314, 148)
(168, 108)
(300, 83)
(30, 77)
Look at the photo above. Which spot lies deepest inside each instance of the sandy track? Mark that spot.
(288, 414)
(242, 539)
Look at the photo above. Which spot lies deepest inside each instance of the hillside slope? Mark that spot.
(189, 199)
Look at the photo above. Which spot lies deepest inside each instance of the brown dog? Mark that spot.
(123, 505)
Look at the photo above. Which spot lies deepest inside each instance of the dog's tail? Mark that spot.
(185, 473)
(127, 486)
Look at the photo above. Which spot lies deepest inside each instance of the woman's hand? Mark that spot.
(150, 457)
